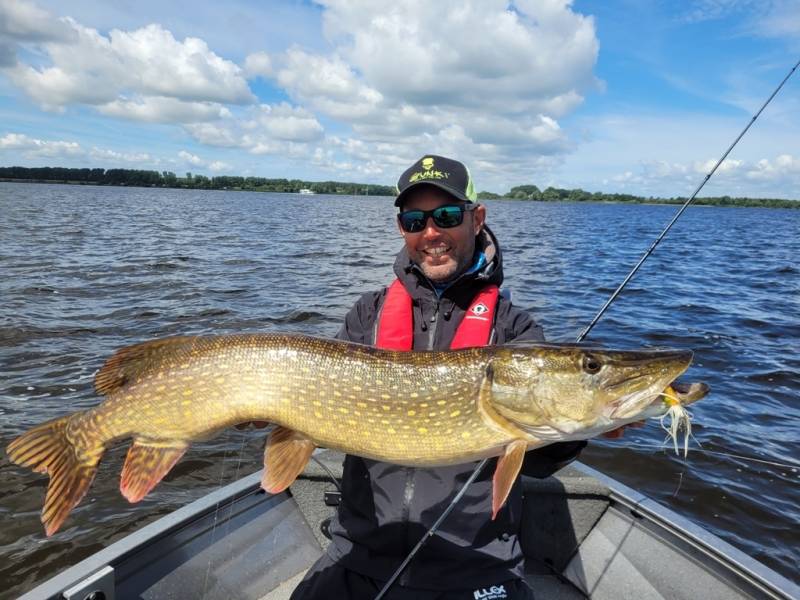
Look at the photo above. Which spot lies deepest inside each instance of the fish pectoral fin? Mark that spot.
(286, 455)
(146, 464)
(505, 474)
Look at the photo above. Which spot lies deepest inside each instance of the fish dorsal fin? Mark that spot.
(146, 464)
(135, 361)
(285, 457)
(505, 474)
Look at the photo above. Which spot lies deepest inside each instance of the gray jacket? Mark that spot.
(386, 508)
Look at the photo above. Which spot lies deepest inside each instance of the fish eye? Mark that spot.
(590, 364)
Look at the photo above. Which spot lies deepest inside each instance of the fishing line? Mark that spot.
(216, 513)
(789, 465)
(589, 327)
(328, 471)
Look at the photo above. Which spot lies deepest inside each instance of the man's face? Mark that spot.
(442, 254)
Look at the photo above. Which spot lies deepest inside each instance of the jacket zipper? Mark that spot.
(408, 496)
(434, 323)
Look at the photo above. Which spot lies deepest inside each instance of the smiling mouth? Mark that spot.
(437, 251)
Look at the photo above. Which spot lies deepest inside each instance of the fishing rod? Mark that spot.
(480, 466)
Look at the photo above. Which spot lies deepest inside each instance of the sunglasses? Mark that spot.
(445, 217)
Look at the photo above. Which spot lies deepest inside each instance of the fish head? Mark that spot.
(575, 392)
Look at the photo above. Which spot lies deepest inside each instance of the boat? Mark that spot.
(306, 191)
(584, 535)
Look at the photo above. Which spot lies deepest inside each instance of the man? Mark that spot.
(448, 273)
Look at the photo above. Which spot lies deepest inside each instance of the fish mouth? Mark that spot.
(646, 376)
(688, 393)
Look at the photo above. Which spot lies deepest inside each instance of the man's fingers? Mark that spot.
(620, 431)
(615, 433)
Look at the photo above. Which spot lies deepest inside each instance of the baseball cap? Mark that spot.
(447, 174)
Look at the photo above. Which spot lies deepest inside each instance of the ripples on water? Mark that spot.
(87, 270)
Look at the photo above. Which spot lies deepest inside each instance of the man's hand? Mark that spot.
(620, 431)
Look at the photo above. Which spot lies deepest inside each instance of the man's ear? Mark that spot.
(479, 218)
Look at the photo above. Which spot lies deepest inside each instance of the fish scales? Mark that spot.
(409, 408)
(403, 410)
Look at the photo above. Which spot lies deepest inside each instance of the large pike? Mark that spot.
(409, 408)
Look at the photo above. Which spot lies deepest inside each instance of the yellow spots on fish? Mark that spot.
(286, 388)
(455, 413)
(219, 380)
(422, 429)
(411, 413)
(317, 414)
(423, 405)
(338, 394)
(441, 402)
(361, 404)
(385, 396)
(413, 395)
(390, 430)
(385, 422)
(186, 402)
(386, 407)
(161, 388)
(465, 434)
(357, 388)
(316, 403)
(187, 392)
(343, 410)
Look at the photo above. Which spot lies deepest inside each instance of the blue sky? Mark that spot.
(638, 97)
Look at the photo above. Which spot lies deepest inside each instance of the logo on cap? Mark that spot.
(428, 172)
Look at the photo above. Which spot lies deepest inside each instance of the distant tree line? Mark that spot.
(143, 178)
(552, 194)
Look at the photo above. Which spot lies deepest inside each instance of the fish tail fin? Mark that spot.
(147, 463)
(48, 449)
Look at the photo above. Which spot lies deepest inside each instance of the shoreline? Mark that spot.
(705, 202)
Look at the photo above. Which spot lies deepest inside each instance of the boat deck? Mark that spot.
(584, 535)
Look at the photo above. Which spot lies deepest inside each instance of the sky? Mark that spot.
(633, 96)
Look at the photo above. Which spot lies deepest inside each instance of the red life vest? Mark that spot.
(395, 329)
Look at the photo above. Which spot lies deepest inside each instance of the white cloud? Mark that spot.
(187, 158)
(480, 53)
(264, 129)
(23, 21)
(258, 64)
(161, 109)
(148, 64)
(117, 157)
(484, 80)
(15, 144)
(32, 147)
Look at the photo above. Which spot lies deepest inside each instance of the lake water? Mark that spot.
(87, 270)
